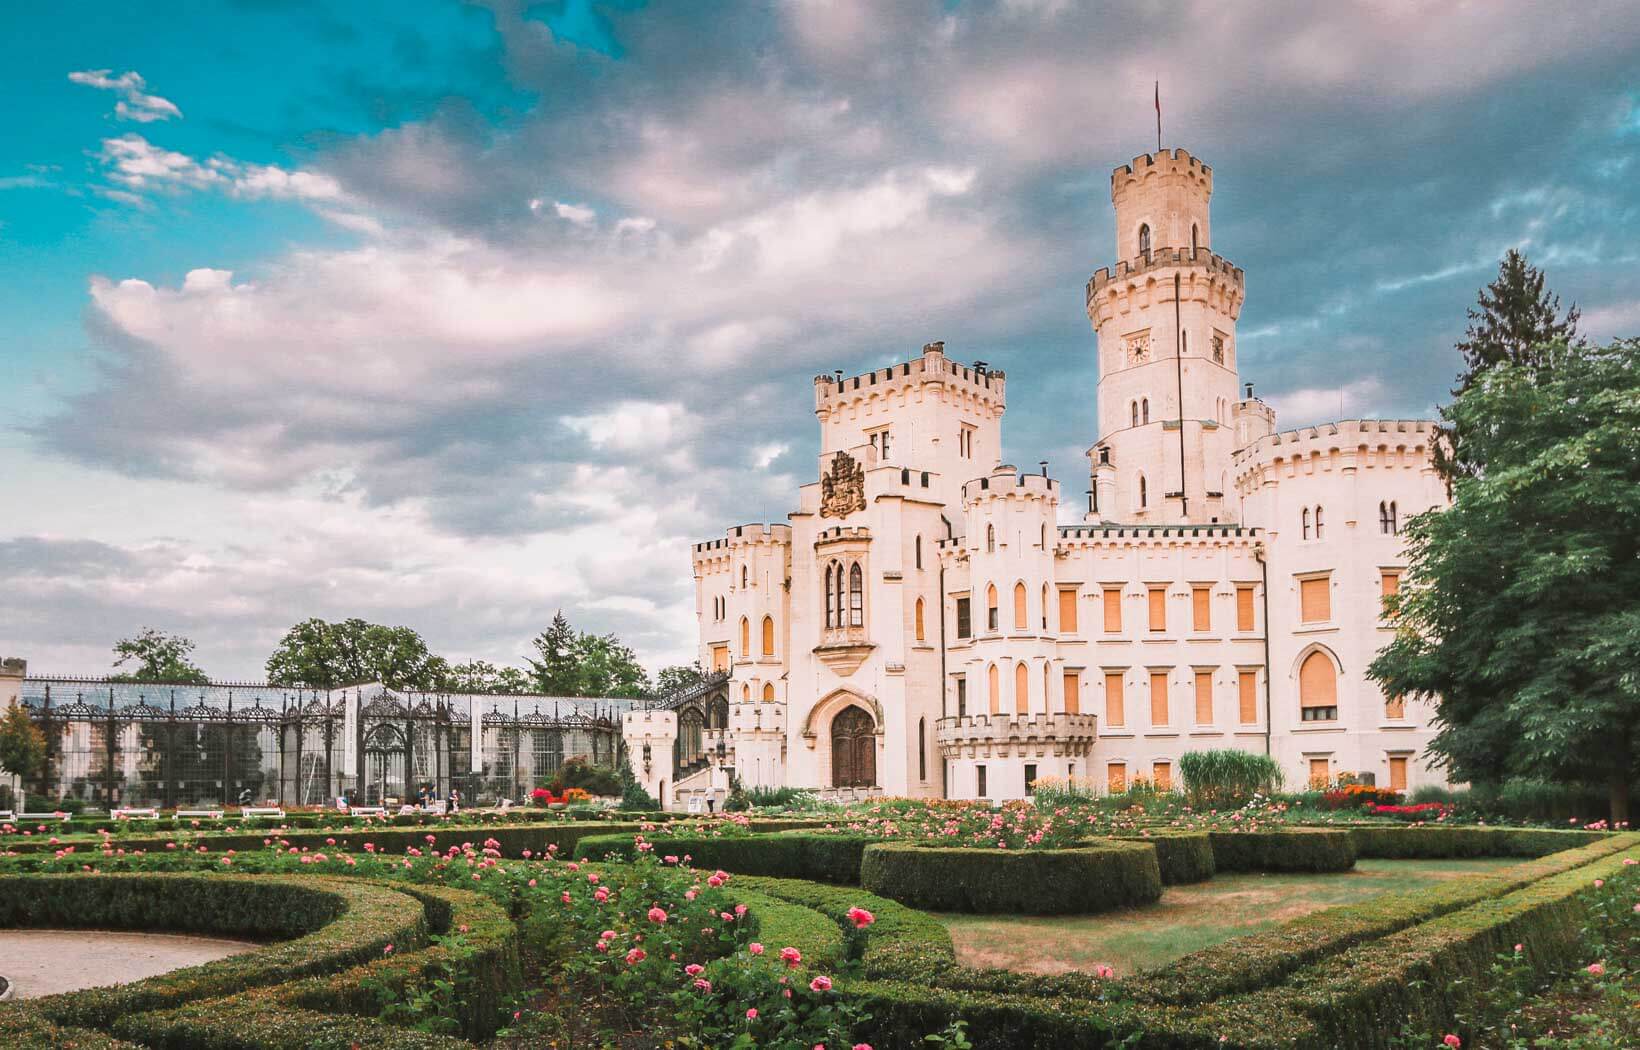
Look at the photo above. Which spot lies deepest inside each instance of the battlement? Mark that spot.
(1345, 436)
(931, 368)
(1215, 535)
(841, 534)
(1164, 258)
(745, 535)
(1167, 163)
(1005, 482)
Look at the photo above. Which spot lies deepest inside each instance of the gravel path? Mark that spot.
(45, 962)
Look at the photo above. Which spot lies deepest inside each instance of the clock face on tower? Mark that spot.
(1136, 347)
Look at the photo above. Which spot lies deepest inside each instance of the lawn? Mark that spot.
(1187, 918)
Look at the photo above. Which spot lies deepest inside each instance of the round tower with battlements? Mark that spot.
(1165, 316)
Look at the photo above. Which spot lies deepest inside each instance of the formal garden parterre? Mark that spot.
(804, 930)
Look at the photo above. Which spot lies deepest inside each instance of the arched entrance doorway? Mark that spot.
(853, 749)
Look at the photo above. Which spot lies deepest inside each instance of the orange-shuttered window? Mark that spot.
(1247, 696)
(1158, 698)
(1158, 608)
(1244, 608)
(1115, 702)
(1315, 599)
(1201, 609)
(1204, 698)
(1067, 611)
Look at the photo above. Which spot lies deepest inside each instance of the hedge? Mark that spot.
(779, 924)
(1261, 959)
(350, 922)
(1441, 841)
(1091, 878)
(482, 963)
(20, 1026)
(247, 1023)
(898, 933)
(1296, 849)
(1183, 856)
(817, 857)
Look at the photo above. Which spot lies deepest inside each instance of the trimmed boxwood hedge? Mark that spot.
(897, 933)
(793, 854)
(1441, 841)
(20, 1026)
(1091, 878)
(344, 921)
(779, 924)
(246, 1023)
(1293, 849)
(1183, 856)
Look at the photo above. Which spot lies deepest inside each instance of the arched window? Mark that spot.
(842, 600)
(744, 578)
(831, 598)
(1044, 607)
(1383, 517)
(918, 547)
(768, 636)
(1318, 523)
(768, 692)
(856, 596)
(1184, 342)
(919, 619)
(1144, 410)
(1394, 519)
(745, 637)
(994, 681)
(1133, 410)
(1022, 688)
(1144, 240)
(922, 749)
(1305, 516)
(1193, 236)
(1020, 618)
(1144, 495)
(991, 607)
(745, 691)
(1042, 536)
(1318, 688)
(990, 539)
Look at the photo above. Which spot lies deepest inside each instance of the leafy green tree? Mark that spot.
(318, 655)
(160, 657)
(677, 678)
(1514, 322)
(22, 744)
(481, 676)
(1520, 609)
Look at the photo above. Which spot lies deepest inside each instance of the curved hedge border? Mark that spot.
(336, 923)
(22, 1027)
(1295, 849)
(898, 931)
(779, 923)
(1183, 856)
(1092, 878)
(246, 1023)
(821, 858)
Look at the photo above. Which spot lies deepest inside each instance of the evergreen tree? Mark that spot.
(555, 671)
(677, 678)
(1520, 610)
(1514, 322)
(159, 657)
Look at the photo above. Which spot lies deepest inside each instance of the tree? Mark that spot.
(1516, 321)
(677, 678)
(22, 745)
(315, 654)
(1520, 609)
(481, 676)
(160, 657)
(572, 664)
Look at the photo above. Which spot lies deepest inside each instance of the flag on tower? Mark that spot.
(1158, 116)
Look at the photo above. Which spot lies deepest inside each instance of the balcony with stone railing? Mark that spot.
(1003, 735)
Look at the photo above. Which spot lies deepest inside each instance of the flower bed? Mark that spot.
(1094, 877)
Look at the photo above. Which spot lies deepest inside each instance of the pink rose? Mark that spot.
(820, 984)
(861, 918)
(792, 956)
(1452, 1040)
(657, 915)
(1596, 969)
(751, 1015)
(636, 956)
(757, 949)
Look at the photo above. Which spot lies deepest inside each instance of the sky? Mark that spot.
(453, 315)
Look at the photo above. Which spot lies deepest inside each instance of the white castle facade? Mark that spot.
(924, 626)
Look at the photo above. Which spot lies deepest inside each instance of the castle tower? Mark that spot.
(1165, 316)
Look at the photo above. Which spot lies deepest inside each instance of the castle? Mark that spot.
(924, 626)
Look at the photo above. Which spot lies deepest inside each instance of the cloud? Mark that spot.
(138, 165)
(579, 214)
(134, 103)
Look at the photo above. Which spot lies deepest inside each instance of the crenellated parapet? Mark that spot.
(974, 383)
(1006, 483)
(1351, 444)
(717, 555)
(1176, 165)
(1205, 277)
(1140, 537)
(1008, 736)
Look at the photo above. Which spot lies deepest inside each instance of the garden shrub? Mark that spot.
(355, 921)
(20, 1026)
(1295, 849)
(250, 1023)
(818, 857)
(1183, 856)
(1091, 878)
(899, 941)
(779, 923)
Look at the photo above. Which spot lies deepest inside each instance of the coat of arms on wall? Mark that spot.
(842, 488)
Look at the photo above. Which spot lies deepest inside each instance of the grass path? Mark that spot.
(1187, 918)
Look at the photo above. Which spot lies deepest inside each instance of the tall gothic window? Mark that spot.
(1386, 519)
(1143, 494)
(856, 596)
(768, 636)
(1193, 236)
(1144, 240)
(831, 598)
(1318, 523)
(990, 539)
(1305, 517)
(991, 607)
(1144, 410)
(1133, 411)
(919, 551)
